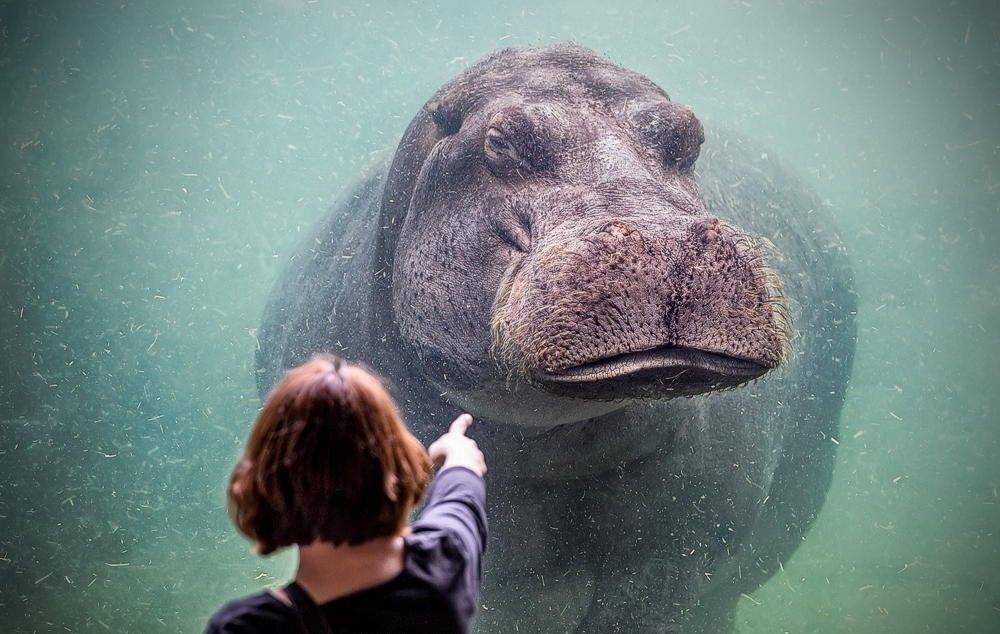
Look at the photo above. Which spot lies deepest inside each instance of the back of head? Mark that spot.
(328, 460)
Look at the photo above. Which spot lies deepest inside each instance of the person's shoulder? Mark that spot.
(261, 612)
(436, 554)
(433, 539)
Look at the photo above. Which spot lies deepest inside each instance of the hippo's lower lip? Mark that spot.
(661, 372)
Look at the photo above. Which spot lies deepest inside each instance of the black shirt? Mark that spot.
(436, 591)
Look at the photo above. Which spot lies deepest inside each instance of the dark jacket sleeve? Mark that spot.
(455, 518)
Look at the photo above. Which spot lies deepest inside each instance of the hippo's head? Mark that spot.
(550, 246)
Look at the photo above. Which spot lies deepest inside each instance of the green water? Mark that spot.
(159, 161)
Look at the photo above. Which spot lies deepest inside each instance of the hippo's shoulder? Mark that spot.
(339, 248)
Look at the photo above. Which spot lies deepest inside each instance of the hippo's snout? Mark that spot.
(644, 307)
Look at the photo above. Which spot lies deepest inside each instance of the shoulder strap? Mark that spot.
(311, 619)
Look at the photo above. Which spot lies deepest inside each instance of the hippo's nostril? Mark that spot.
(708, 231)
(618, 229)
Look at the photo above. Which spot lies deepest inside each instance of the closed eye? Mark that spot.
(497, 145)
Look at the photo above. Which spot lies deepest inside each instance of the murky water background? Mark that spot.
(160, 160)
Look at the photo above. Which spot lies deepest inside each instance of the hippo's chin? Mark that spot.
(663, 372)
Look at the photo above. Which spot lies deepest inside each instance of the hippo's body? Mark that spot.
(646, 513)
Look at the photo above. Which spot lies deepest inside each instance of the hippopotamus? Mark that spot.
(651, 321)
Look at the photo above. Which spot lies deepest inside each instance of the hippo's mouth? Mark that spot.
(662, 372)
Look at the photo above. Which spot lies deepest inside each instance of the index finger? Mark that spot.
(460, 425)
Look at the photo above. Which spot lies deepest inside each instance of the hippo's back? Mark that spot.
(320, 301)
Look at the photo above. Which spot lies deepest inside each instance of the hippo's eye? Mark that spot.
(501, 152)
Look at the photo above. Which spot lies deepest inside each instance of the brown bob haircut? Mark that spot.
(328, 460)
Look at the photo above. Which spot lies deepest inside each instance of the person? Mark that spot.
(330, 468)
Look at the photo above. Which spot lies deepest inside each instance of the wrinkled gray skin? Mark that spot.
(548, 251)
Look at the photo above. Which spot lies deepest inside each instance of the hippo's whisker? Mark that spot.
(503, 325)
(756, 253)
